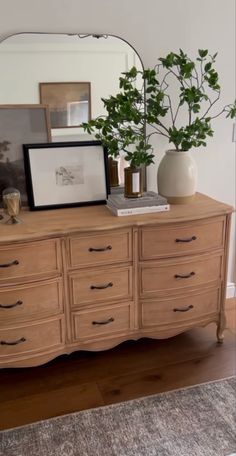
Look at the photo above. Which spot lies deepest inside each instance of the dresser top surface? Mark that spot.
(59, 222)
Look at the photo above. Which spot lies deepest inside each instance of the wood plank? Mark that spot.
(230, 304)
(49, 404)
(127, 358)
(133, 368)
(231, 320)
(130, 357)
(158, 380)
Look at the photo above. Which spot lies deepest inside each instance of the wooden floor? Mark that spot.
(133, 369)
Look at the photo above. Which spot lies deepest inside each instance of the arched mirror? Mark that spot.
(51, 69)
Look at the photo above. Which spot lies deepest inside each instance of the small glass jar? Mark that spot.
(11, 204)
(133, 182)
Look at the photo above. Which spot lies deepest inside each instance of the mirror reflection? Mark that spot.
(28, 61)
(69, 74)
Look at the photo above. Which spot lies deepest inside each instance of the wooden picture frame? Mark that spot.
(69, 102)
(20, 123)
(66, 174)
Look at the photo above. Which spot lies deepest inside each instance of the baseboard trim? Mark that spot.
(231, 290)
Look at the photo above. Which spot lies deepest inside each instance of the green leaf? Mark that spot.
(203, 52)
(196, 108)
(208, 66)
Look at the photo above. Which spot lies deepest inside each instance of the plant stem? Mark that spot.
(171, 110)
(176, 114)
(189, 116)
(159, 132)
(209, 108)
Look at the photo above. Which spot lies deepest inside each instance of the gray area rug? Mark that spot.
(195, 421)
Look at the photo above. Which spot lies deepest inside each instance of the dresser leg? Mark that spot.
(220, 328)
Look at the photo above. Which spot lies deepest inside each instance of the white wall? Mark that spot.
(154, 27)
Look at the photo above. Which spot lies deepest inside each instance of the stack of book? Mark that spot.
(149, 202)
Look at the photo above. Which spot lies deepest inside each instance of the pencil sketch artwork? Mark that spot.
(69, 175)
(11, 169)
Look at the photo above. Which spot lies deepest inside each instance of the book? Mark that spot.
(137, 210)
(148, 199)
(149, 202)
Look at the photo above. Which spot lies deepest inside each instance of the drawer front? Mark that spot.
(30, 338)
(93, 323)
(98, 249)
(90, 286)
(29, 259)
(182, 239)
(29, 301)
(175, 311)
(166, 276)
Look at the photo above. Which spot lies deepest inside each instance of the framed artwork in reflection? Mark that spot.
(69, 102)
(20, 124)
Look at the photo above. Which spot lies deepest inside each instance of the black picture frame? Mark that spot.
(66, 174)
(19, 124)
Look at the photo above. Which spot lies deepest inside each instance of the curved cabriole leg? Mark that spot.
(220, 328)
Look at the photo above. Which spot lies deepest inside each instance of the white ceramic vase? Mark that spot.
(177, 177)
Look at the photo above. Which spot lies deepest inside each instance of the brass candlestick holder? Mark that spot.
(11, 204)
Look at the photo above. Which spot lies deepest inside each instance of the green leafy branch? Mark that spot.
(197, 90)
(124, 126)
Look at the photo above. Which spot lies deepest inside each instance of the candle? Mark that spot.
(11, 202)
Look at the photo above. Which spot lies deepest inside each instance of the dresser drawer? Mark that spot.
(29, 259)
(96, 249)
(34, 337)
(34, 300)
(99, 285)
(182, 239)
(175, 275)
(105, 322)
(175, 311)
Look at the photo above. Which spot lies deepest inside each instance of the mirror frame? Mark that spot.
(84, 36)
(80, 35)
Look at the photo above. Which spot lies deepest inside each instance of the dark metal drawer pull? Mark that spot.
(184, 276)
(10, 306)
(193, 238)
(16, 342)
(101, 287)
(102, 249)
(183, 309)
(103, 322)
(7, 265)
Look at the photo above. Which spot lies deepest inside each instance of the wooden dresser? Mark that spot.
(81, 278)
